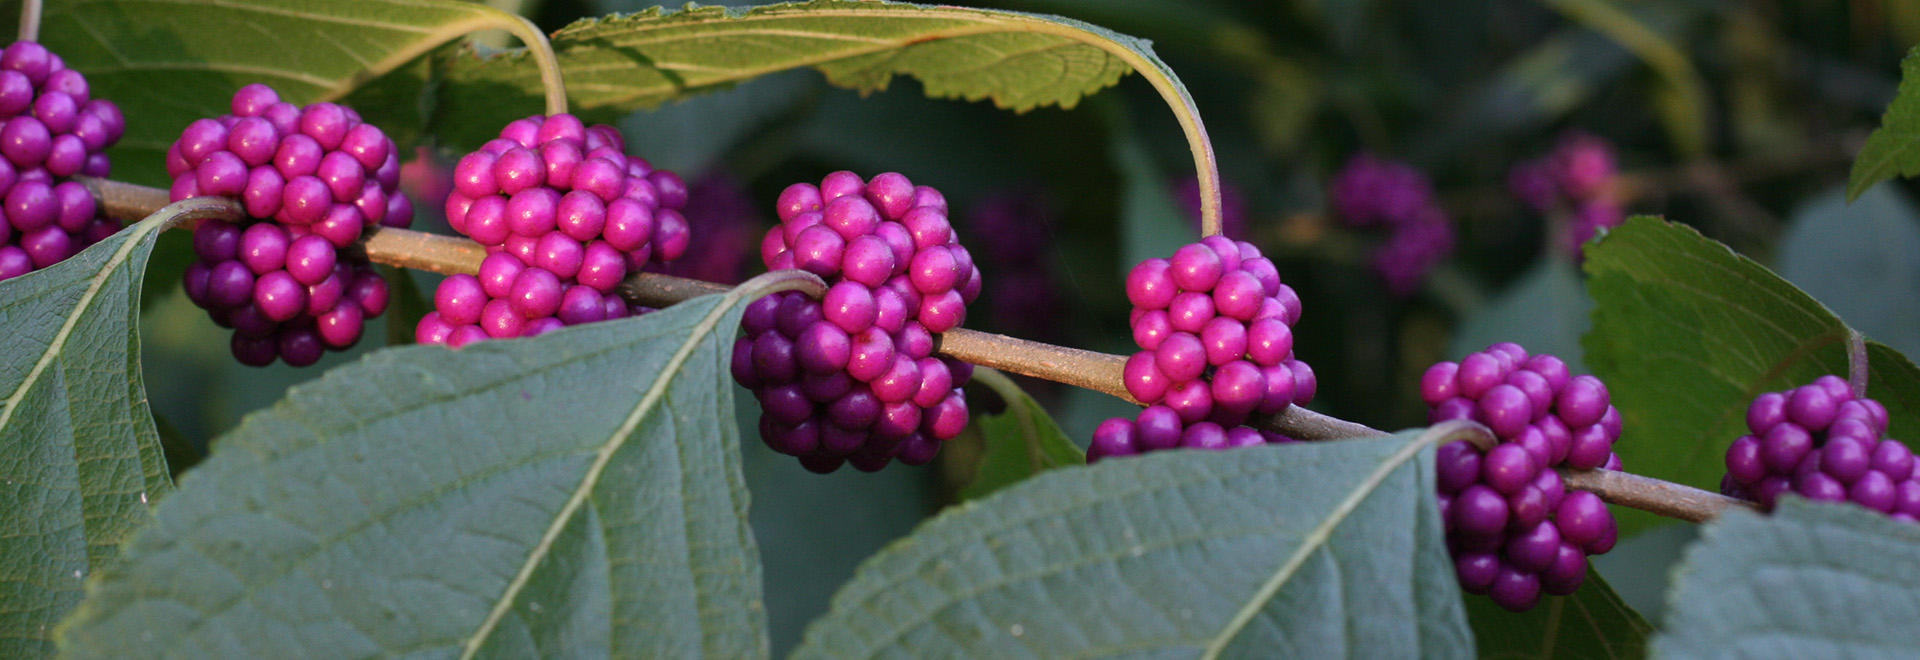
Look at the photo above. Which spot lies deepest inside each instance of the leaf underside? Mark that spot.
(1810, 580)
(561, 496)
(622, 63)
(1686, 333)
(80, 458)
(1174, 555)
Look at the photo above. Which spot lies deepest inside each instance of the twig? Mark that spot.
(1092, 370)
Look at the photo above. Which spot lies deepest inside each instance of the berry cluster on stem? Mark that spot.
(1822, 442)
(852, 377)
(312, 181)
(51, 130)
(564, 214)
(1215, 328)
(1513, 528)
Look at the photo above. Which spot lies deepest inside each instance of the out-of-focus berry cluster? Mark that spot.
(730, 229)
(852, 378)
(1215, 329)
(1371, 192)
(312, 180)
(1821, 442)
(1512, 527)
(50, 129)
(1023, 299)
(565, 215)
(1574, 183)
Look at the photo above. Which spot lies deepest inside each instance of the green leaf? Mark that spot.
(1894, 148)
(1591, 624)
(80, 458)
(1021, 441)
(200, 51)
(1545, 310)
(562, 496)
(1324, 550)
(1812, 580)
(1856, 257)
(622, 63)
(1686, 333)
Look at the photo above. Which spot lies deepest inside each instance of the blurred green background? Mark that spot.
(1740, 118)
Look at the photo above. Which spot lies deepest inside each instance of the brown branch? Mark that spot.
(1100, 372)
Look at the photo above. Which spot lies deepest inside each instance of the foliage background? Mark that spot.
(1740, 118)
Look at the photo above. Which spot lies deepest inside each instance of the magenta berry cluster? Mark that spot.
(1575, 183)
(1371, 192)
(1215, 328)
(312, 180)
(852, 378)
(1513, 528)
(50, 129)
(565, 215)
(1821, 442)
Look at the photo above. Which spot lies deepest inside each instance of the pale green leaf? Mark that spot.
(1686, 333)
(1894, 148)
(1811, 580)
(1020, 442)
(621, 63)
(80, 458)
(169, 62)
(567, 495)
(1311, 550)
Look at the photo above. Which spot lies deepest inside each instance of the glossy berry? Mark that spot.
(50, 129)
(1507, 512)
(1822, 442)
(851, 378)
(312, 182)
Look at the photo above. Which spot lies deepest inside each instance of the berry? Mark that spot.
(277, 277)
(1820, 441)
(1573, 183)
(1507, 511)
(50, 129)
(565, 217)
(857, 366)
(1206, 362)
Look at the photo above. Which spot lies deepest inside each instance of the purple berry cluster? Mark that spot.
(1575, 182)
(1511, 525)
(50, 129)
(1022, 299)
(1821, 442)
(565, 215)
(1372, 192)
(1215, 329)
(852, 378)
(312, 181)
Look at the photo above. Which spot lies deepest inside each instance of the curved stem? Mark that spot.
(1092, 370)
(29, 20)
(1206, 168)
(1857, 363)
(544, 59)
